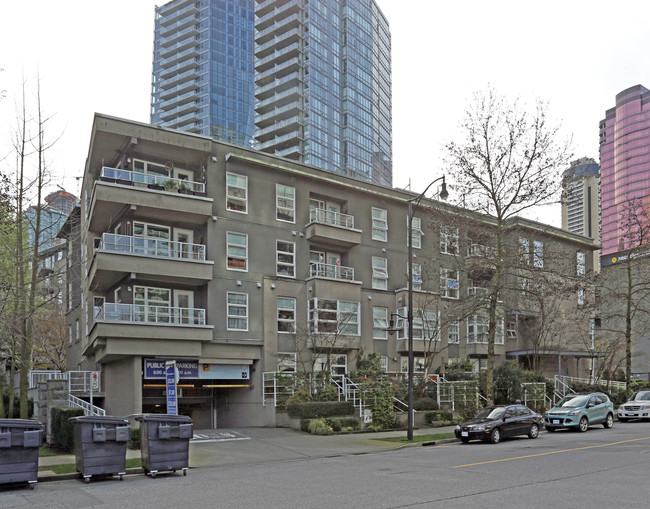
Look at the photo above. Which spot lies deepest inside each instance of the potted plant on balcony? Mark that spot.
(155, 184)
(184, 188)
(170, 185)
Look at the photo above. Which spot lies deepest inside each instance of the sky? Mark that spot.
(95, 56)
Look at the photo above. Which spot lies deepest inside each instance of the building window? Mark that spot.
(580, 264)
(286, 362)
(418, 364)
(449, 286)
(453, 332)
(237, 311)
(152, 304)
(449, 240)
(285, 203)
(379, 323)
(538, 254)
(286, 259)
(581, 297)
(286, 315)
(69, 334)
(379, 273)
(425, 324)
(379, 224)
(417, 276)
(417, 232)
(334, 317)
(338, 363)
(524, 251)
(237, 251)
(237, 193)
(511, 329)
(478, 327)
(76, 331)
(383, 362)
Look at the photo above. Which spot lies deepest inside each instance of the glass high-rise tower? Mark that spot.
(203, 74)
(305, 79)
(624, 163)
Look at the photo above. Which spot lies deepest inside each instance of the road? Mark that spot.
(600, 468)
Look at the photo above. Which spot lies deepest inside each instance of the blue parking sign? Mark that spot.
(170, 377)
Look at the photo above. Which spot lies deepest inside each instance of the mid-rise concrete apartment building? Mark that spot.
(234, 263)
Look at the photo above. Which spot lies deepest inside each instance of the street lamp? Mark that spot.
(413, 203)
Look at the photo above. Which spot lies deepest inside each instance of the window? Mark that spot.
(286, 362)
(538, 254)
(425, 324)
(237, 251)
(449, 240)
(581, 297)
(417, 276)
(379, 323)
(524, 251)
(237, 193)
(580, 264)
(237, 311)
(285, 203)
(379, 224)
(416, 233)
(511, 329)
(76, 333)
(151, 304)
(449, 286)
(418, 364)
(453, 331)
(478, 327)
(285, 257)
(379, 273)
(286, 315)
(383, 362)
(334, 316)
(69, 334)
(338, 363)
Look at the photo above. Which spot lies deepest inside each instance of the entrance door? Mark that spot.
(184, 239)
(184, 302)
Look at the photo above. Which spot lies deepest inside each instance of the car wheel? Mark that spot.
(465, 440)
(622, 419)
(584, 424)
(495, 436)
(550, 429)
(609, 422)
(533, 432)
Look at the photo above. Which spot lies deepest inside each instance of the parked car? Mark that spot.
(579, 411)
(496, 422)
(638, 407)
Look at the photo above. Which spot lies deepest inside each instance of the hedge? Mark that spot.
(320, 409)
(438, 416)
(134, 440)
(322, 426)
(62, 428)
(425, 404)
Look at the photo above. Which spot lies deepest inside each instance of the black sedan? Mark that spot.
(496, 422)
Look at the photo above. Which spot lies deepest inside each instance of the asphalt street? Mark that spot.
(599, 468)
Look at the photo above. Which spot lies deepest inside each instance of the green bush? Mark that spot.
(62, 428)
(328, 393)
(16, 411)
(425, 404)
(438, 416)
(134, 441)
(315, 426)
(342, 423)
(319, 409)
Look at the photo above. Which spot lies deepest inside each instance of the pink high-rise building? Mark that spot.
(624, 162)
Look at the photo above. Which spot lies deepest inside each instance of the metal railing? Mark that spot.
(331, 217)
(78, 381)
(331, 271)
(138, 313)
(567, 381)
(481, 250)
(151, 179)
(42, 375)
(75, 402)
(152, 247)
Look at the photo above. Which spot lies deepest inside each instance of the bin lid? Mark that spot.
(21, 423)
(162, 417)
(99, 419)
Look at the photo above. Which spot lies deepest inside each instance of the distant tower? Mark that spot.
(624, 161)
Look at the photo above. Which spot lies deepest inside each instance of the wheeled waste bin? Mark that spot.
(100, 445)
(164, 442)
(19, 443)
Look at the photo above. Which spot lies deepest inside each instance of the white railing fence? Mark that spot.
(152, 247)
(111, 312)
(331, 271)
(75, 402)
(331, 217)
(150, 178)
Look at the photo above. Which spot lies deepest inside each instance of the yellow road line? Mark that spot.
(552, 452)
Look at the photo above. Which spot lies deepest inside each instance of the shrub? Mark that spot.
(328, 393)
(62, 428)
(315, 426)
(319, 409)
(425, 404)
(342, 423)
(134, 441)
(15, 414)
(438, 416)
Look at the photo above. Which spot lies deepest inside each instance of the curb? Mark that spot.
(68, 477)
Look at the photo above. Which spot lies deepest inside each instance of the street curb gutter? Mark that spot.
(67, 477)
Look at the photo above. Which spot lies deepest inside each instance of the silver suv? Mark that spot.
(638, 407)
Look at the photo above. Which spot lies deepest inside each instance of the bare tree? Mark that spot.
(508, 162)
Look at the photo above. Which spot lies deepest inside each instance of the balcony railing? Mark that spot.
(148, 178)
(331, 217)
(152, 247)
(476, 291)
(481, 250)
(138, 313)
(331, 271)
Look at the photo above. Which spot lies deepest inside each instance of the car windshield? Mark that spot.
(573, 401)
(641, 396)
(491, 412)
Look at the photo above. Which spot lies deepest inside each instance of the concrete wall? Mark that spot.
(123, 386)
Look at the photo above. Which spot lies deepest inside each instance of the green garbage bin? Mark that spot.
(19, 443)
(164, 442)
(100, 445)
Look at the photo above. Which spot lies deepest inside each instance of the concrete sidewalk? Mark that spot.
(245, 446)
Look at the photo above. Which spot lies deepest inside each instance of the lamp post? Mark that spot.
(413, 203)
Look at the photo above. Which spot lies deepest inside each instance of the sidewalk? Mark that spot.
(245, 446)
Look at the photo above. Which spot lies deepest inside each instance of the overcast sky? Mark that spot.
(95, 56)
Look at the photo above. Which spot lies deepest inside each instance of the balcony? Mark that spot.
(330, 271)
(480, 347)
(279, 128)
(281, 12)
(479, 250)
(277, 57)
(332, 228)
(292, 65)
(160, 315)
(120, 190)
(476, 291)
(120, 256)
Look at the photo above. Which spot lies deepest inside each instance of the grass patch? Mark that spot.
(45, 451)
(71, 468)
(418, 438)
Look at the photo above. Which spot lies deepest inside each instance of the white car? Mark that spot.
(638, 407)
